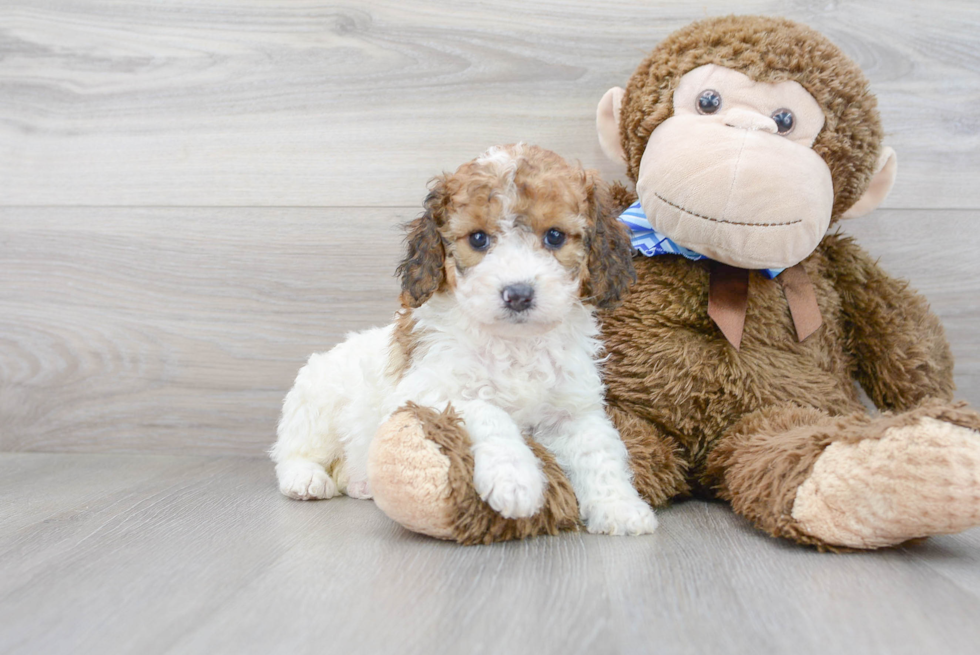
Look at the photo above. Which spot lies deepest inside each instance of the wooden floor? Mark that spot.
(128, 554)
(195, 196)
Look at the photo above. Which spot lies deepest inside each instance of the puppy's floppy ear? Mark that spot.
(610, 264)
(423, 270)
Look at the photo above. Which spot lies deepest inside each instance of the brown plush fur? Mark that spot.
(748, 425)
(767, 50)
(474, 522)
(659, 469)
(671, 372)
(761, 462)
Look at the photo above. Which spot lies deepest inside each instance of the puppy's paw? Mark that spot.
(305, 480)
(622, 516)
(359, 489)
(508, 477)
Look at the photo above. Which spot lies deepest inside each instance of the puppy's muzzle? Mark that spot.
(518, 297)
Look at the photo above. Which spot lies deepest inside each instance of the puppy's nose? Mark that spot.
(518, 297)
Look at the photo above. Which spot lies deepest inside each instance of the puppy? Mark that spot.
(500, 284)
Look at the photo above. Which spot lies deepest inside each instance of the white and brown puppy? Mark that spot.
(503, 274)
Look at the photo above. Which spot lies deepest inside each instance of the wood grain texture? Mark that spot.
(180, 330)
(129, 554)
(162, 330)
(195, 196)
(256, 103)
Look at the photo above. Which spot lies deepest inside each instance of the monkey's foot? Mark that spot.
(420, 469)
(915, 481)
(410, 476)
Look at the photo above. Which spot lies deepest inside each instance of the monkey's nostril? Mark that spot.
(518, 297)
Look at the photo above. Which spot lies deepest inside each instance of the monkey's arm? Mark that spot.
(899, 345)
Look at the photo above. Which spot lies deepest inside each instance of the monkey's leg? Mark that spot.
(420, 468)
(659, 471)
(852, 481)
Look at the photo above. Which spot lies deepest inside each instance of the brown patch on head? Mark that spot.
(474, 205)
(542, 192)
(597, 249)
(537, 191)
(766, 50)
(551, 194)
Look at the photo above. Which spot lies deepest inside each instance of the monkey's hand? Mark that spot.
(901, 350)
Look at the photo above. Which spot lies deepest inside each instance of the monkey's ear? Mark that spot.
(607, 124)
(881, 184)
(610, 263)
(423, 270)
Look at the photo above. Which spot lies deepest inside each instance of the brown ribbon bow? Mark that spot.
(728, 298)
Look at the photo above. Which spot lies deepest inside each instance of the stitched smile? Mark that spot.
(719, 220)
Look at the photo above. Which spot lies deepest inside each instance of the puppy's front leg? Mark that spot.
(506, 473)
(589, 450)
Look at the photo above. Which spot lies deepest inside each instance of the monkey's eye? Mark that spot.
(709, 101)
(784, 120)
(479, 240)
(554, 238)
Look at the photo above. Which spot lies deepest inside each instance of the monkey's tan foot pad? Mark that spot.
(915, 481)
(420, 469)
(409, 476)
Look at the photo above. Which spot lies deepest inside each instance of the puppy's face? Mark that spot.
(518, 237)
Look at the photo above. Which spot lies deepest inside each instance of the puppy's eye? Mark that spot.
(709, 101)
(554, 238)
(784, 120)
(479, 240)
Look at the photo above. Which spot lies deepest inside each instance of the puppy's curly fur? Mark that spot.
(503, 273)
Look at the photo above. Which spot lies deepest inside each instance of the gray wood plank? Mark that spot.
(956, 557)
(180, 330)
(143, 330)
(317, 104)
(202, 555)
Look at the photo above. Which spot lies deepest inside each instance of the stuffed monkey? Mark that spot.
(733, 359)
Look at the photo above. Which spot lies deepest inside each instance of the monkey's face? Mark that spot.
(731, 174)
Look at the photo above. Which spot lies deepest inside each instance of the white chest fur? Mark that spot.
(532, 377)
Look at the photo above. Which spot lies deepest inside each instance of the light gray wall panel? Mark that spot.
(227, 102)
(169, 330)
(180, 330)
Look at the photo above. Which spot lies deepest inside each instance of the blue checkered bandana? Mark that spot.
(651, 243)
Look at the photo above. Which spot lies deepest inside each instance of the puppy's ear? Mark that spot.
(610, 264)
(423, 270)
